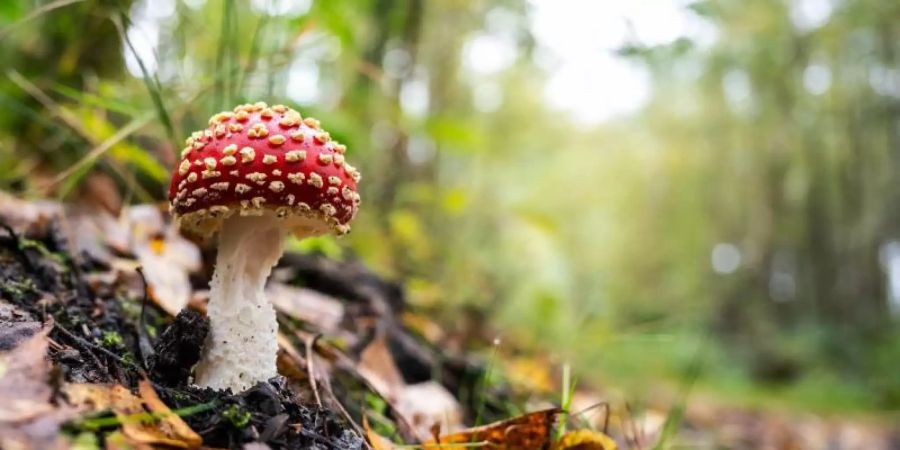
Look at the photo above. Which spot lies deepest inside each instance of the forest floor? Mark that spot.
(102, 318)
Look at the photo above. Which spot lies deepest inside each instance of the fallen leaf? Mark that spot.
(310, 306)
(15, 326)
(88, 397)
(27, 418)
(377, 441)
(165, 428)
(530, 431)
(178, 426)
(429, 403)
(23, 380)
(376, 365)
(94, 231)
(21, 214)
(167, 258)
(585, 440)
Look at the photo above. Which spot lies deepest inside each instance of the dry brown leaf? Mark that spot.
(168, 429)
(15, 326)
(312, 307)
(94, 231)
(376, 365)
(87, 397)
(27, 418)
(178, 426)
(377, 441)
(23, 380)
(21, 214)
(530, 431)
(585, 440)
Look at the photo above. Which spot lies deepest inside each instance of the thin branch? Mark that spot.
(309, 343)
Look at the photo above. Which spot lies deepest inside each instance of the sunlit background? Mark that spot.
(656, 192)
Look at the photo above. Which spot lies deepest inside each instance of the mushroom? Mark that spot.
(255, 175)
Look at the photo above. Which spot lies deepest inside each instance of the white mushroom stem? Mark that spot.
(241, 347)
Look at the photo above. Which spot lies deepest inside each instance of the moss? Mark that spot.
(112, 339)
(58, 258)
(237, 416)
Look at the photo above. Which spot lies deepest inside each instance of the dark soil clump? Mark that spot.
(266, 413)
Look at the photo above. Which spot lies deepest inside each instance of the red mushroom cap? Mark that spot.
(257, 159)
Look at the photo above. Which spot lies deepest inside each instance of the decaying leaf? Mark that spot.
(87, 397)
(94, 231)
(530, 431)
(23, 380)
(585, 440)
(21, 214)
(27, 418)
(15, 326)
(376, 365)
(145, 419)
(168, 430)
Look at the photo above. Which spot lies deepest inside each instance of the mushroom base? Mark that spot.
(242, 345)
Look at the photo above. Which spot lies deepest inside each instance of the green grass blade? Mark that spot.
(87, 98)
(150, 81)
(676, 413)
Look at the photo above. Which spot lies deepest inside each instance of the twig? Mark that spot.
(309, 343)
(606, 413)
(344, 362)
(340, 407)
(144, 340)
(326, 383)
(97, 348)
(634, 432)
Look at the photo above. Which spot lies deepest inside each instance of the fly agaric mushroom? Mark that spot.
(255, 175)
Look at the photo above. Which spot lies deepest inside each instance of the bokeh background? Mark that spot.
(658, 193)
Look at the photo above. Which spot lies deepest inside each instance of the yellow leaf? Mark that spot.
(377, 441)
(585, 440)
(530, 431)
(146, 420)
